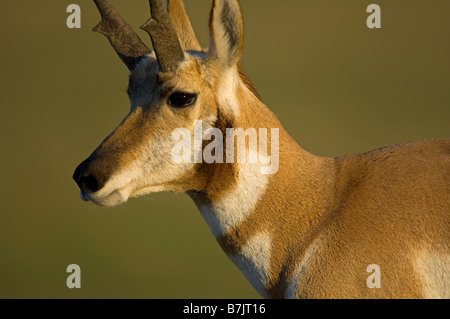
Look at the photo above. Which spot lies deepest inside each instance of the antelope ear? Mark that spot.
(227, 33)
(182, 25)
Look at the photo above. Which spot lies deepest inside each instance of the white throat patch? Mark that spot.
(254, 261)
(236, 206)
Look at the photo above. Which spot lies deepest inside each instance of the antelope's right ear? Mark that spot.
(227, 33)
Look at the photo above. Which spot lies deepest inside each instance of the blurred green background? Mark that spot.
(337, 86)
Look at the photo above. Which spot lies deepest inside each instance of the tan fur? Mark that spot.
(319, 222)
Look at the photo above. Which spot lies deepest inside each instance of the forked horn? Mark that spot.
(120, 34)
(168, 50)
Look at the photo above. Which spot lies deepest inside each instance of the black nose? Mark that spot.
(88, 183)
(86, 178)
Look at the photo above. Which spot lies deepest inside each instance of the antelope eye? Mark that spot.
(182, 99)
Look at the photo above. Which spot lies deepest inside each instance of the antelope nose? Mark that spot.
(87, 180)
(87, 183)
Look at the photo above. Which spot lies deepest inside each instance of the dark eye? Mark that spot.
(182, 99)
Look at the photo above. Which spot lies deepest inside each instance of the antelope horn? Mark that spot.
(168, 50)
(182, 25)
(129, 47)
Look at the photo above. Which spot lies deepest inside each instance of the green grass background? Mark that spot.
(337, 86)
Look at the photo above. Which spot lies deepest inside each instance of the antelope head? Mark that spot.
(171, 87)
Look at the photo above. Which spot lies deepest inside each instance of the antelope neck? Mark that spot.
(255, 217)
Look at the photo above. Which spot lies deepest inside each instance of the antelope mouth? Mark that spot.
(119, 196)
(114, 193)
(111, 199)
(84, 196)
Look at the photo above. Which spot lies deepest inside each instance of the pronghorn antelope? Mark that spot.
(308, 231)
